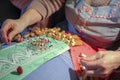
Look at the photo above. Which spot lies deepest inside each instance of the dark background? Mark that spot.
(7, 10)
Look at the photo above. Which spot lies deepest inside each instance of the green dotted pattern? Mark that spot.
(28, 57)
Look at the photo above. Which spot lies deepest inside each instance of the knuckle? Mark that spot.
(103, 62)
(106, 73)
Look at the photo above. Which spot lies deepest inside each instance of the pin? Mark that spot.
(87, 9)
(19, 70)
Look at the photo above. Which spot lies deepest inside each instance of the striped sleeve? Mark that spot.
(46, 7)
(21, 4)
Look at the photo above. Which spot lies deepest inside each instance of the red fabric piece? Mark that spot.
(75, 55)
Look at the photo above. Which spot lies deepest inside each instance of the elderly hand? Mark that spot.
(102, 63)
(10, 28)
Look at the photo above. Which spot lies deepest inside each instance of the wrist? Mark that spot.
(30, 17)
(22, 23)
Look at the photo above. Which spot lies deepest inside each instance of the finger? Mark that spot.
(4, 32)
(12, 34)
(93, 57)
(90, 65)
(90, 58)
(94, 74)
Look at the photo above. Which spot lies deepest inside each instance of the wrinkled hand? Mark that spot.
(102, 63)
(10, 28)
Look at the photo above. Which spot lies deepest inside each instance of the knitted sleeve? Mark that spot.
(21, 4)
(46, 7)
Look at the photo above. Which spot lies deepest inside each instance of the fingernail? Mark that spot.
(82, 55)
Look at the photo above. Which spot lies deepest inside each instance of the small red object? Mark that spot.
(87, 9)
(19, 70)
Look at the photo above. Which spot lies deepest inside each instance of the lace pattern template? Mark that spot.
(30, 55)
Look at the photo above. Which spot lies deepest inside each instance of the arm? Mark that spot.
(46, 7)
(41, 9)
(36, 11)
(12, 27)
(30, 17)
